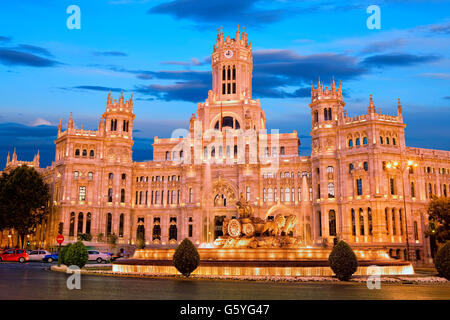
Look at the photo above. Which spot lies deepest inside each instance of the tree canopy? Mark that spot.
(24, 199)
(439, 214)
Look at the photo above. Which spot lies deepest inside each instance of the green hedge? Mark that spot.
(76, 255)
(186, 258)
(343, 261)
(442, 261)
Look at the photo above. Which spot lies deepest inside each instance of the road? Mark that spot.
(35, 281)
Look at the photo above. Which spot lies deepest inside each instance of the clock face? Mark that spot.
(228, 53)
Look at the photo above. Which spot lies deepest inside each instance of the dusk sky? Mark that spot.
(160, 50)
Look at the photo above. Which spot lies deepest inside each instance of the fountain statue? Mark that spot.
(247, 231)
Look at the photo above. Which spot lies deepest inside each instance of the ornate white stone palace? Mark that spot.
(356, 185)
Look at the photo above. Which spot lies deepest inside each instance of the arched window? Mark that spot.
(316, 116)
(330, 169)
(394, 227)
(191, 195)
(365, 140)
(282, 151)
(110, 176)
(350, 167)
(173, 229)
(416, 231)
(381, 140)
(358, 142)
(325, 114)
(386, 220)
(370, 220)
(167, 155)
(205, 152)
(413, 192)
(121, 224)
(299, 194)
(331, 193)
(287, 197)
(319, 222)
(387, 140)
(110, 195)
(122, 195)
(156, 232)
(72, 224)
(90, 175)
(366, 166)
(332, 222)
(80, 223)
(270, 195)
(359, 190)
(88, 223)
(235, 151)
(76, 174)
(350, 143)
(329, 114)
(108, 223)
(353, 223)
(247, 196)
(361, 221)
(394, 142)
(213, 152)
(77, 152)
(91, 153)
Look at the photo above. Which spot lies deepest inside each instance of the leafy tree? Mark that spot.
(85, 237)
(439, 215)
(24, 199)
(343, 261)
(77, 255)
(442, 261)
(63, 253)
(112, 238)
(186, 258)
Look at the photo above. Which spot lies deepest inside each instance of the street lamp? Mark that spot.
(402, 166)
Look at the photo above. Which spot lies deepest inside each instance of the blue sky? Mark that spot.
(159, 50)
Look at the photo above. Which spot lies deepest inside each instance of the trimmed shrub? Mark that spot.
(76, 255)
(343, 261)
(63, 253)
(442, 261)
(186, 258)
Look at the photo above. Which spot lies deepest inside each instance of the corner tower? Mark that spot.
(232, 65)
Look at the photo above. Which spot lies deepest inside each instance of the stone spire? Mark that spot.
(70, 123)
(399, 107)
(372, 108)
(7, 158)
(14, 156)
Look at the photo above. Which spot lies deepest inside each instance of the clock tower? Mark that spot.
(232, 65)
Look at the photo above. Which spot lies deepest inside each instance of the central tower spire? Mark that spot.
(232, 65)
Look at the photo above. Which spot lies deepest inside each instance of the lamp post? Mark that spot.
(402, 167)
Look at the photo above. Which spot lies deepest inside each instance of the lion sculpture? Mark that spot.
(290, 223)
(274, 227)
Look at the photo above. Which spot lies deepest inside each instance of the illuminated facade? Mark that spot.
(351, 187)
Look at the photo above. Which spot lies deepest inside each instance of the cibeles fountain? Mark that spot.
(251, 246)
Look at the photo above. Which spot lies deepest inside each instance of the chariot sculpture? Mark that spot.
(252, 232)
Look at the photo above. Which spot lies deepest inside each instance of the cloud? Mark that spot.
(446, 97)
(442, 28)
(397, 59)
(436, 75)
(380, 46)
(110, 53)
(225, 11)
(248, 12)
(191, 91)
(40, 122)
(13, 57)
(5, 39)
(94, 88)
(33, 49)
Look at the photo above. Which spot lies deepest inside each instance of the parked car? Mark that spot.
(95, 255)
(15, 255)
(38, 255)
(51, 257)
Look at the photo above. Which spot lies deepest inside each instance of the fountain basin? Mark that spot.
(259, 262)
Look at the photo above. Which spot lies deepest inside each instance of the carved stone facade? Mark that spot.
(342, 190)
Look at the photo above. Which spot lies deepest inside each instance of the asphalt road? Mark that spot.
(35, 281)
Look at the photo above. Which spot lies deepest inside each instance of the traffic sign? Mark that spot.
(60, 238)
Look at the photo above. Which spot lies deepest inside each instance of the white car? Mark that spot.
(98, 256)
(38, 255)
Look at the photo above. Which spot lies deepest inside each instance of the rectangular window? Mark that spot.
(82, 194)
(110, 195)
(416, 231)
(190, 231)
(392, 185)
(359, 190)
